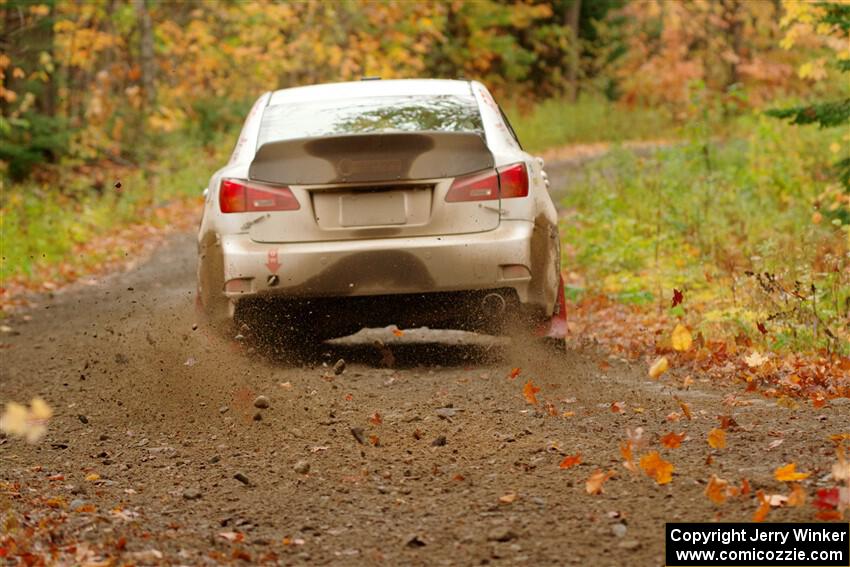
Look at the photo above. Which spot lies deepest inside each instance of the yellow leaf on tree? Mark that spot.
(681, 338)
(788, 473)
(659, 367)
(656, 467)
(717, 489)
(717, 438)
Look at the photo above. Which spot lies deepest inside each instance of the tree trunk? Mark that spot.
(148, 63)
(733, 19)
(9, 28)
(46, 103)
(24, 38)
(572, 21)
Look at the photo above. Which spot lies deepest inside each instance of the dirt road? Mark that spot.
(156, 453)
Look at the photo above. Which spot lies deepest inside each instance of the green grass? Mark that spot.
(640, 226)
(558, 122)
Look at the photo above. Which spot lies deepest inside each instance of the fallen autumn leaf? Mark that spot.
(681, 338)
(529, 391)
(658, 368)
(656, 467)
(788, 473)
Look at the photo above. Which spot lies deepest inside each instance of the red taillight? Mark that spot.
(241, 196)
(476, 187)
(513, 181)
(506, 182)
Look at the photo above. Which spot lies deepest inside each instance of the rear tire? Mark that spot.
(212, 302)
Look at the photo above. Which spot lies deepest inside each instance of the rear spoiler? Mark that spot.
(359, 158)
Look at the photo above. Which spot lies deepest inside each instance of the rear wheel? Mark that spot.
(211, 299)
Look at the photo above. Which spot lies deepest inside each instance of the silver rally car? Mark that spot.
(370, 203)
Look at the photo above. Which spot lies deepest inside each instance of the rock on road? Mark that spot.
(161, 451)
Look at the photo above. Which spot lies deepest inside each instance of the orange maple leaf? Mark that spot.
(628, 456)
(788, 473)
(764, 507)
(686, 409)
(717, 438)
(530, 392)
(514, 373)
(593, 485)
(656, 467)
(376, 419)
(570, 461)
(373, 439)
(745, 487)
(672, 440)
(727, 421)
(717, 489)
(797, 496)
(617, 407)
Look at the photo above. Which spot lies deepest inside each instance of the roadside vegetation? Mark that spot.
(47, 231)
(557, 122)
(738, 226)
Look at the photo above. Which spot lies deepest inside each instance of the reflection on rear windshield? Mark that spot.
(379, 114)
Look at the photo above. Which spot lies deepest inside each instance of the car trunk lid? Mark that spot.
(373, 185)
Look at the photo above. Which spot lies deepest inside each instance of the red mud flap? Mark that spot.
(556, 326)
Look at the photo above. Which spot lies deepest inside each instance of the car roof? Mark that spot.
(371, 88)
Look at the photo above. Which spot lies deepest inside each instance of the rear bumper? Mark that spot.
(501, 258)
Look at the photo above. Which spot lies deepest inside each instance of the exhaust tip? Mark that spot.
(273, 280)
(493, 304)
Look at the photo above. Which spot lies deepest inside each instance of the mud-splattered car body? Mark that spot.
(379, 202)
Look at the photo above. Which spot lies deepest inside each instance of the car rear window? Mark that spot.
(445, 113)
